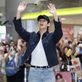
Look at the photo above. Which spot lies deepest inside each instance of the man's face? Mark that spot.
(21, 45)
(43, 24)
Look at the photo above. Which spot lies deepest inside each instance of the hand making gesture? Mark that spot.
(52, 10)
(21, 7)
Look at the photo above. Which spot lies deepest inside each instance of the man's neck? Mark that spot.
(42, 31)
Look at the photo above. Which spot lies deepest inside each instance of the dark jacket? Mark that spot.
(49, 40)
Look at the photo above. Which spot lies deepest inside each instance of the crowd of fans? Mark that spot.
(11, 54)
(66, 51)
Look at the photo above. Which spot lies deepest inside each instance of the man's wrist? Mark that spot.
(18, 15)
(56, 17)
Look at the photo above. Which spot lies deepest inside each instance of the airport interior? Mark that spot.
(68, 49)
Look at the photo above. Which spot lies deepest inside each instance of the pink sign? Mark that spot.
(65, 77)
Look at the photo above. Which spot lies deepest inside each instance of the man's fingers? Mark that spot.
(23, 3)
(51, 5)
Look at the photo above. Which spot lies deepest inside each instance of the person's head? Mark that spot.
(59, 76)
(43, 22)
(12, 43)
(21, 45)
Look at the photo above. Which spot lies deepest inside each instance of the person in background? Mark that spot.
(14, 60)
(59, 78)
(41, 45)
(21, 49)
(2, 64)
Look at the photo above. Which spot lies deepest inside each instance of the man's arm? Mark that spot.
(18, 24)
(57, 34)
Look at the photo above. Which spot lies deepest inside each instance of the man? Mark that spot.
(41, 45)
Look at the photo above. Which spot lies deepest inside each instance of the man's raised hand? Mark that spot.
(22, 6)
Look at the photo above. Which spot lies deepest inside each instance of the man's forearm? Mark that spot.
(55, 17)
(18, 15)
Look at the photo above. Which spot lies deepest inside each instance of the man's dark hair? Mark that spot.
(43, 17)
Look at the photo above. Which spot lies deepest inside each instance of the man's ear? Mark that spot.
(48, 24)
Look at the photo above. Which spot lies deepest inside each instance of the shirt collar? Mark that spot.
(38, 33)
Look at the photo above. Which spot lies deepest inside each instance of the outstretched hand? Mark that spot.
(52, 10)
(22, 6)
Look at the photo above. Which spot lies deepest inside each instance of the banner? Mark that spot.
(63, 76)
